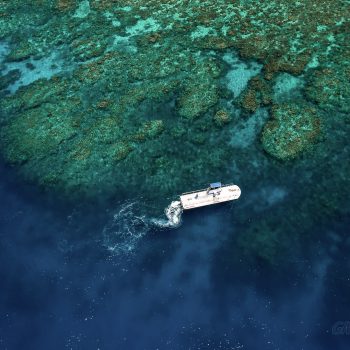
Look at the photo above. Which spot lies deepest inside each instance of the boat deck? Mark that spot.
(204, 197)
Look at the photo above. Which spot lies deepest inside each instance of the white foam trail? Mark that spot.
(126, 228)
(173, 212)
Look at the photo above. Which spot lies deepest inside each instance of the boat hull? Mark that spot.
(204, 197)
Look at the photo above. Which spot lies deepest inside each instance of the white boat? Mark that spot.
(215, 193)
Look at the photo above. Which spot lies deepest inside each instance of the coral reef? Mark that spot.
(137, 93)
(329, 87)
(201, 92)
(222, 117)
(292, 129)
(256, 95)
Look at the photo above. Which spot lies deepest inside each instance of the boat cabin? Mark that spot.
(215, 185)
(214, 188)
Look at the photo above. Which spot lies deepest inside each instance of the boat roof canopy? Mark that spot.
(215, 185)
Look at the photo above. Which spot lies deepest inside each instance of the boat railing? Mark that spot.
(204, 189)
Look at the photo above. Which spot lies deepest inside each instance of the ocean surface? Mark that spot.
(71, 278)
(108, 112)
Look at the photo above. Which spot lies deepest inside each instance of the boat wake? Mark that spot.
(173, 212)
(126, 228)
(123, 232)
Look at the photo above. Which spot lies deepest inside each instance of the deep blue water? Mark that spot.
(63, 285)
